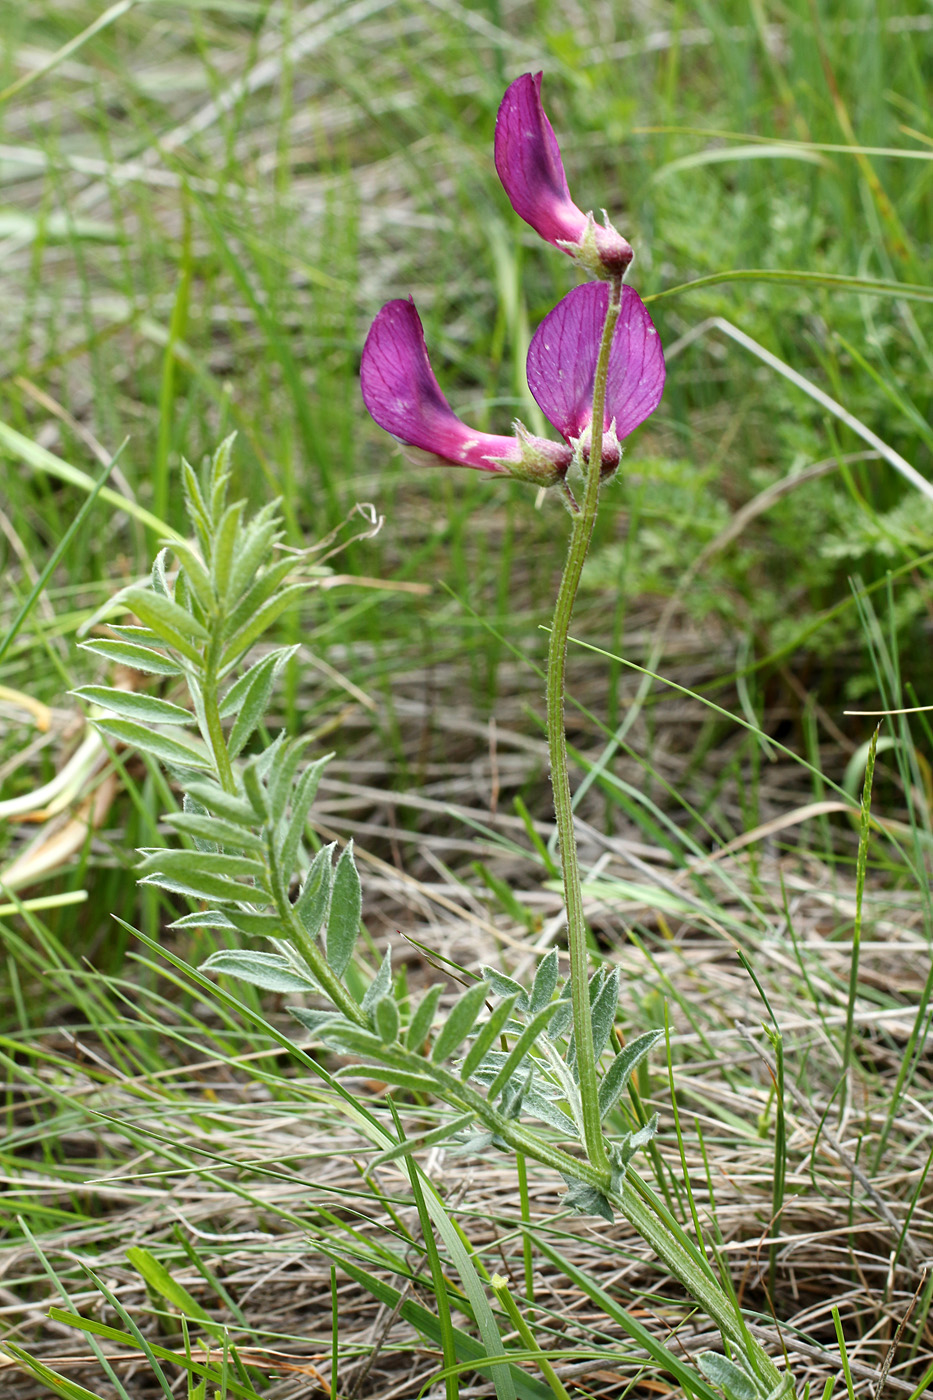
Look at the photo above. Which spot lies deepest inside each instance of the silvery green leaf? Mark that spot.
(110, 607)
(597, 982)
(623, 1150)
(186, 598)
(731, 1379)
(226, 538)
(487, 1035)
(263, 762)
(196, 575)
(604, 1011)
(545, 982)
(132, 704)
(570, 1089)
(423, 1018)
(252, 704)
(386, 1019)
(172, 623)
(460, 1021)
(282, 772)
(490, 1065)
(522, 1047)
(643, 1135)
(314, 901)
(303, 795)
(271, 971)
(343, 921)
(213, 797)
(604, 999)
(195, 503)
(261, 620)
(504, 986)
(586, 1200)
(541, 1107)
(381, 984)
(192, 808)
(351, 1039)
(259, 925)
(254, 549)
(195, 864)
(510, 1103)
(255, 792)
(315, 1021)
(208, 918)
(235, 696)
(387, 1074)
(262, 588)
(561, 1020)
(446, 1132)
(144, 636)
(173, 751)
(620, 1071)
(210, 887)
(220, 473)
(159, 576)
(474, 1145)
(140, 658)
(215, 829)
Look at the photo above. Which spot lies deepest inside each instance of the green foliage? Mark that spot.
(732, 1380)
(245, 816)
(423, 1018)
(615, 1080)
(459, 1022)
(343, 923)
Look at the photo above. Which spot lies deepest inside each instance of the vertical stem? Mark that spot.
(527, 1255)
(580, 536)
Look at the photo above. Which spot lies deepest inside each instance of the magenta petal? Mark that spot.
(401, 393)
(529, 164)
(562, 358)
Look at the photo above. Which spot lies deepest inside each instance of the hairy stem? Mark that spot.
(580, 536)
(679, 1255)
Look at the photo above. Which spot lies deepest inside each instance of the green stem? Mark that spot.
(676, 1251)
(500, 1286)
(580, 536)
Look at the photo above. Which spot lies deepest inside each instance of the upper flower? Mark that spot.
(562, 359)
(403, 396)
(532, 174)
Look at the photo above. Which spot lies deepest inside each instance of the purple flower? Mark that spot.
(532, 174)
(402, 395)
(562, 366)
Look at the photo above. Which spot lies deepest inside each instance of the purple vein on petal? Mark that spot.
(562, 359)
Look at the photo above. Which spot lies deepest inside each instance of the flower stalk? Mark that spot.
(580, 536)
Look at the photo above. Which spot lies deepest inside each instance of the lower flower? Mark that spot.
(402, 395)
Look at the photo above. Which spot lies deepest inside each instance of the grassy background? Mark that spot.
(202, 208)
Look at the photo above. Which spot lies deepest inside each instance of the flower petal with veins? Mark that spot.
(532, 173)
(403, 396)
(562, 357)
